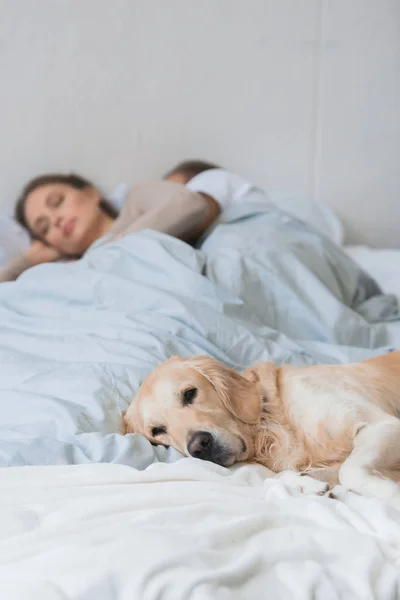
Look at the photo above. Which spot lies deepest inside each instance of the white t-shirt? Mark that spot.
(228, 189)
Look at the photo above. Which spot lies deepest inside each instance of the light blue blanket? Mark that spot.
(77, 340)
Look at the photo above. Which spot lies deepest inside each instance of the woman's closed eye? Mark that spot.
(42, 226)
(54, 200)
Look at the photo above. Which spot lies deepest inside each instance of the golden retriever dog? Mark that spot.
(337, 423)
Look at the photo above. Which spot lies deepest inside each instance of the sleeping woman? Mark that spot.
(66, 214)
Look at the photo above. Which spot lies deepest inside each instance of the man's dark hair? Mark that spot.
(190, 168)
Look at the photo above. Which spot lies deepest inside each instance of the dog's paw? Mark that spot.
(309, 485)
(303, 483)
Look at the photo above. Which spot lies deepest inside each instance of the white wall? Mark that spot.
(303, 96)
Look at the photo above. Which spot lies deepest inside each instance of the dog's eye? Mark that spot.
(189, 395)
(158, 431)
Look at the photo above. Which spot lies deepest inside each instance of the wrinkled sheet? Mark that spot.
(188, 531)
(76, 340)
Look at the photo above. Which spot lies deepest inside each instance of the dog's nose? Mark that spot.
(200, 445)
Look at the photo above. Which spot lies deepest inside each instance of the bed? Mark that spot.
(87, 513)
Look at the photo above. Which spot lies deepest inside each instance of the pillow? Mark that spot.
(14, 239)
(119, 195)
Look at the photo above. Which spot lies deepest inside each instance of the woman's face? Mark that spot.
(64, 217)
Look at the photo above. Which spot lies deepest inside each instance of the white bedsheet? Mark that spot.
(382, 263)
(189, 530)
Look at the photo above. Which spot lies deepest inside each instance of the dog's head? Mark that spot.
(200, 407)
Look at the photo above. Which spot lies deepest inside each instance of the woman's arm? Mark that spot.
(167, 207)
(37, 253)
(14, 268)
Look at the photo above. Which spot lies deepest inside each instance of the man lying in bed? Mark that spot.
(226, 188)
(66, 214)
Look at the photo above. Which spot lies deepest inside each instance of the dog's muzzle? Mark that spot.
(201, 445)
(205, 446)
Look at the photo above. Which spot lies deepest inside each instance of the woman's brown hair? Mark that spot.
(75, 181)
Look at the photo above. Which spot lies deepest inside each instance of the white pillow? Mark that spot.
(14, 239)
(119, 195)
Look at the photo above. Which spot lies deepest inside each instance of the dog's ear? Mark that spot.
(264, 374)
(239, 395)
(252, 375)
(126, 425)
